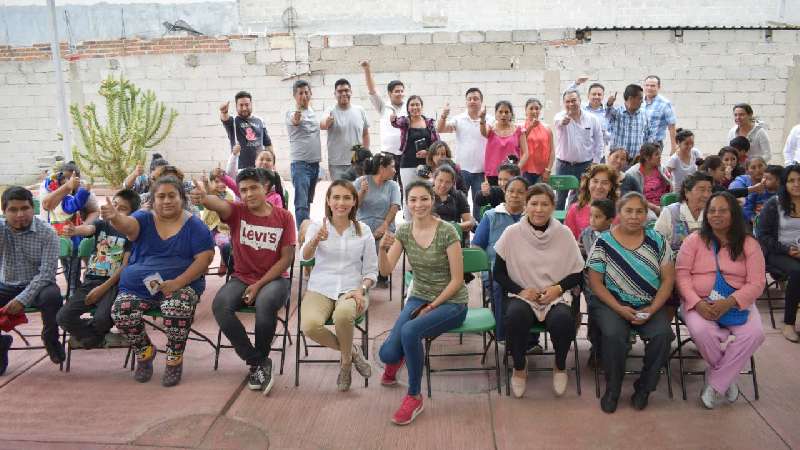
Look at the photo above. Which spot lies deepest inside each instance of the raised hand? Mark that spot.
(296, 117)
(139, 170)
(108, 212)
(364, 64)
(329, 120)
(485, 187)
(387, 240)
(223, 108)
(483, 114)
(611, 100)
(446, 110)
(198, 194)
(236, 149)
(364, 186)
(74, 183)
(322, 234)
(582, 79)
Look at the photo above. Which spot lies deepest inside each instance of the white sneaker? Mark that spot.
(709, 397)
(518, 384)
(559, 381)
(790, 333)
(732, 393)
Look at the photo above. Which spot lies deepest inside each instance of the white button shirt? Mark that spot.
(342, 261)
(579, 140)
(791, 152)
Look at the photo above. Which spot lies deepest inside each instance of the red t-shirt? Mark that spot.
(257, 241)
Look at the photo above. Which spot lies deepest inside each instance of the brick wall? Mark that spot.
(704, 73)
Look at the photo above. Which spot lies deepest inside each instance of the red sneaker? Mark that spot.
(408, 411)
(389, 377)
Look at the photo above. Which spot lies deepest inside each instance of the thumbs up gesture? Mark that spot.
(483, 114)
(485, 187)
(322, 234)
(364, 185)
(446, 110)
(198, 194)
(223, 108)
(387, 240)
(108, 212)
(329, 120)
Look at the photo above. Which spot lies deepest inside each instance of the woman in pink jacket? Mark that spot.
(720, 274)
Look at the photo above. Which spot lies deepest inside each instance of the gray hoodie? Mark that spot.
(759, 141)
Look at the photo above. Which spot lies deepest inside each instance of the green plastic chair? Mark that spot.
(478, 321)
(361, 324)
(86, 247)
(669, 198)
(561, 183)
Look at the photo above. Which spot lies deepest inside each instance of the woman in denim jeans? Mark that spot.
(438, 298)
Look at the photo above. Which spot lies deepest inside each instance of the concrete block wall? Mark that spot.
(704, 74)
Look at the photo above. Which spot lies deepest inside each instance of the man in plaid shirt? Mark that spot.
(629, 124)
(28, 259)
(659, 112)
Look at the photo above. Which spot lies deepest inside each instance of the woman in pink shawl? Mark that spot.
(537, 263)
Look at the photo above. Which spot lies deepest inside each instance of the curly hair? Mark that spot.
(584, 198)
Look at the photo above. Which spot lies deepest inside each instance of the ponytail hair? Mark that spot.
(274, 180)
(373, 164)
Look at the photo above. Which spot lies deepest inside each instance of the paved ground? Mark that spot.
(99, 405)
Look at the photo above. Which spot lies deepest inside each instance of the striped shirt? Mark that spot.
(629, 131)
(431, 265)
(28, 258)
(633, 276)
(660, 114)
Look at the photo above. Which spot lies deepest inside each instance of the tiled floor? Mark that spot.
(99, 405)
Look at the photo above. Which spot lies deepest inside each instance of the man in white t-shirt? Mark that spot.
(347, 126)
(390, 136)
(470, 144)
(791, 151)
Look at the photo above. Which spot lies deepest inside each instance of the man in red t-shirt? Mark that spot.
(263, 240)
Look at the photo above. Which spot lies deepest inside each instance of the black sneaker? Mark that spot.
(255, 380)
(5, 344)
(55, 351)
(268, 380)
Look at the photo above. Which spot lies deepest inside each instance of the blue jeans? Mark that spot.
(567, 168)
(405, 339)
(304, 179)
(473, 182)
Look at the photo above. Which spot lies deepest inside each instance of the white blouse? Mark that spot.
(342, 261)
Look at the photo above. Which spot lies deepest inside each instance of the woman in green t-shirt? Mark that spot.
(438, 299)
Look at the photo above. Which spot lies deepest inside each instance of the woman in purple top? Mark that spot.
(417, 133)
(171, 252)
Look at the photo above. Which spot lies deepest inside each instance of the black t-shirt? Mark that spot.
(452, 207)
(251, 134)
(416, 139)
(109, 247)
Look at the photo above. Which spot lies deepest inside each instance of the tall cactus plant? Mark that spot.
(134, 123)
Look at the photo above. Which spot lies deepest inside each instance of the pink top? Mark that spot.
(272, 196)
(696, 271)
(577, 219)
(498, 148)
(654, 186)
(538, 149)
